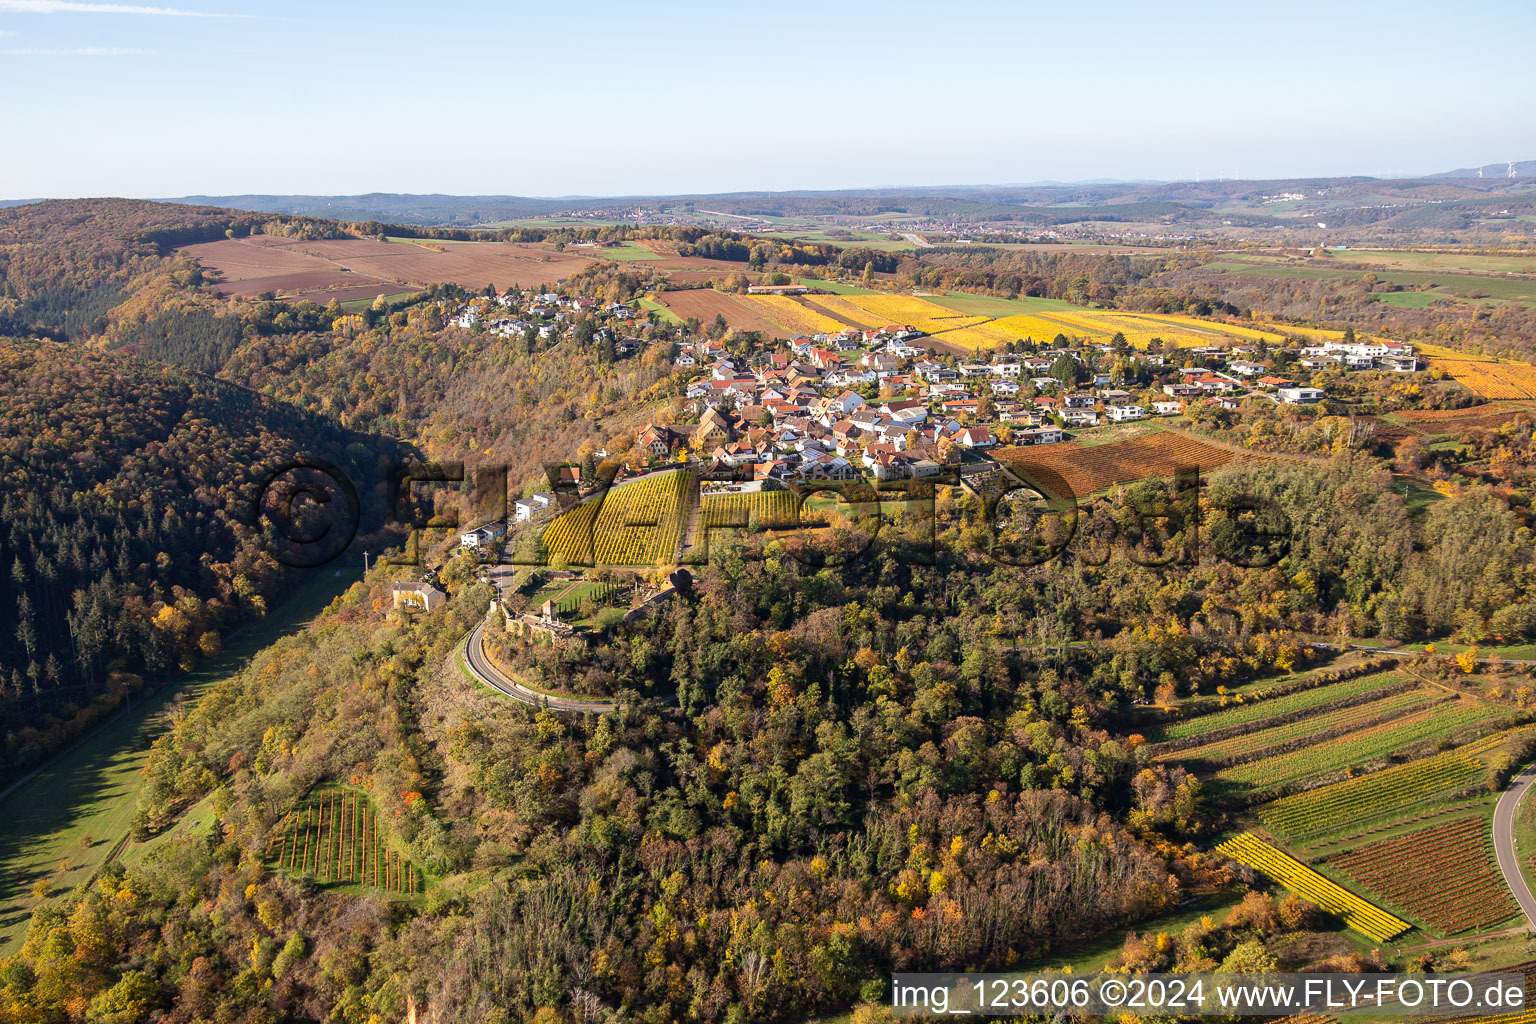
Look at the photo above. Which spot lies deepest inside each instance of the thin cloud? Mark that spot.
(77, 7)
(81, 51)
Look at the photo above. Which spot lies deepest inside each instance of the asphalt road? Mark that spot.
(481, 667)
(1504, 841)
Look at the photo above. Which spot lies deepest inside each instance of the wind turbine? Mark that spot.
(1512, 169)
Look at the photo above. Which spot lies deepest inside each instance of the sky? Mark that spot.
(221, 97)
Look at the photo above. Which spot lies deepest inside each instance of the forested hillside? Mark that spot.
(126, 527)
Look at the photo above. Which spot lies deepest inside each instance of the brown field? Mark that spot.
(1090, 468)
(360, 267)
(705, 303)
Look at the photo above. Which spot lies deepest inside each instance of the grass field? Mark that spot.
(1477, 263)
(622, 253)
(357, 305)
(78, 808)
(666, 314)
(1461, 285)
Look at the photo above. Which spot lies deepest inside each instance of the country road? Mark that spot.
(1504, 841)
(481, 668)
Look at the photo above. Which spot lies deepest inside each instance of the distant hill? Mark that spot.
(1523, 169)
(1193, 205)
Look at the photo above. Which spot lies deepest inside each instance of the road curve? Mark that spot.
(481, 667)
(1504, 841)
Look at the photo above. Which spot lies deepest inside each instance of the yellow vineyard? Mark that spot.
(1102, 325)
(638, 523)
(793, 315)
(1365, 918)
(1492, 380)
(769, 509)
(883, 310)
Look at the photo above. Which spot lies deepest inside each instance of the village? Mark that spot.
(893, 403)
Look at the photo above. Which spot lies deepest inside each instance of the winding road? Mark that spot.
(482, 668)
(1504, 841)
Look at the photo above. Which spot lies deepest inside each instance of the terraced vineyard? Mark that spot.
(1365, 918)
(1329, 808)
(1443, 876)
(334, 839)
(1273, 707)
(1091, 468)
(1360, 745)
(639, 523)
(1353, 716)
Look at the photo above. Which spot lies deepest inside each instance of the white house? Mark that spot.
(1167, 408)
(1122, 413)
(1299, 396)
(976, 437)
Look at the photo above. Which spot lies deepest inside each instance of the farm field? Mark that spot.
(637, 523)
(1259, 710)
(1477, 263)
(705, 304)
(623, 253)
(334, 839)
(880, 310)
(1415, 784)
(1360, 745)
(1023, 327)
(993, 306)
(1460, 285)
(1443, 876)
(1353, 716)
(791, 314)
(1140, 328)
(1366, 918)
(324, 269)
(1090, 468)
